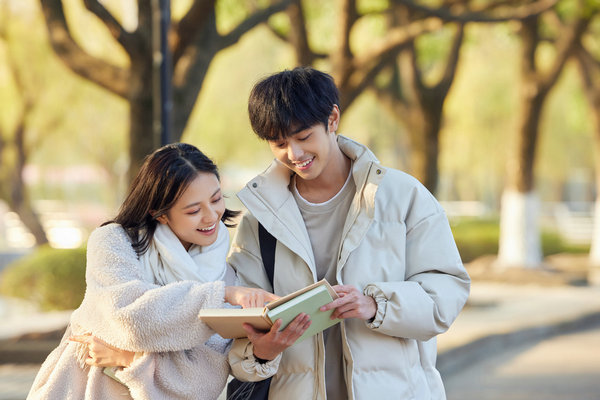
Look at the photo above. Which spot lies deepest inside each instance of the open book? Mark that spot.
(227, 322)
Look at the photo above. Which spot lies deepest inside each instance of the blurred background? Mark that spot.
(494, 105)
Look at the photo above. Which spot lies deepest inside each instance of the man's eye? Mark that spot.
(304, 138)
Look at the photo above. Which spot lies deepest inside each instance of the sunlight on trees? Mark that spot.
(76, 125)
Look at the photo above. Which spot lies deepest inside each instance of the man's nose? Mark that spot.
(294, 152)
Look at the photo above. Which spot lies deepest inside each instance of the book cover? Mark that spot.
(227, 322)
(308, 302)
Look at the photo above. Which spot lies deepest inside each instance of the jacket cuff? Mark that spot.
(251, 364)
(373, 291)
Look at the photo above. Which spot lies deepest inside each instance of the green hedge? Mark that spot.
(54, 279)
(479, 237)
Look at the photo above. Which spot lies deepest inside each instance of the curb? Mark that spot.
(31, 348)
(459, 357)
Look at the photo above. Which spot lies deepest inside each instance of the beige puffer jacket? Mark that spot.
(396, 246)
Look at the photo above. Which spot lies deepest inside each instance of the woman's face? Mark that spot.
(195, 216)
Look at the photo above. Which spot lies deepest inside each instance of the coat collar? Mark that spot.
(268, 198)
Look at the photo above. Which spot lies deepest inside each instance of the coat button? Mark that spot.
(378, 172)
(254, 185)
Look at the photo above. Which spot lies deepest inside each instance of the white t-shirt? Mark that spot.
(324, 223)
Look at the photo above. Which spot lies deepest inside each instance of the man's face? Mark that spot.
(309, 152)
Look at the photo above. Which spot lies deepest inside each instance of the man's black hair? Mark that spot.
(290, 101)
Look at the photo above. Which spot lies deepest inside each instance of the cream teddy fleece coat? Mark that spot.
(183, 358)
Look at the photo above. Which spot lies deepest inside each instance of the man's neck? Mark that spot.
(328, 183)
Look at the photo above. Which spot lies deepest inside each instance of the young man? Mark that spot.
(374, 232)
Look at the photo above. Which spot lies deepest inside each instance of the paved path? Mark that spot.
(563, 367)
(15, 380)
(497, 321)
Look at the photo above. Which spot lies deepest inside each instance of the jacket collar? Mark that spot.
(268, 198)
(272, 186)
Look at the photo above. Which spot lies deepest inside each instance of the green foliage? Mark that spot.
(477, 237)
(54, 279)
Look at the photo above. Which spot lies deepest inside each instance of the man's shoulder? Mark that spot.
(400, 179)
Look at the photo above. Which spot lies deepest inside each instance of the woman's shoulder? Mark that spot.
(111, 234)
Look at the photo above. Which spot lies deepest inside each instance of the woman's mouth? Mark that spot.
(208, 230)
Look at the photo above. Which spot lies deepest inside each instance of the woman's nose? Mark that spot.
(210, 214)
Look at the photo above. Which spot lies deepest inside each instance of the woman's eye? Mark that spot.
(194, 212)
(218, 199)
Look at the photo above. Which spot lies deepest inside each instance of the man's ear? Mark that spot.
(334, 119)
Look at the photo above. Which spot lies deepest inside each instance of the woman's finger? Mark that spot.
(85, 339)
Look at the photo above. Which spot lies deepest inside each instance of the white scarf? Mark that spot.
(166, 260)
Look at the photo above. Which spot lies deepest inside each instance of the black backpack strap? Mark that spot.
(267, 243)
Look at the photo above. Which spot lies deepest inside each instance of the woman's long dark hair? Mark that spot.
(162, 179)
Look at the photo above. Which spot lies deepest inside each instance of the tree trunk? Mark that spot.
(590, 74)
(142, 140)
(432, 105)
(519, 244)
(188, 79)
(19, 203)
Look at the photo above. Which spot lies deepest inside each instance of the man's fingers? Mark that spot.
(297, 327)
(341, 290)
(336, 303)
(276, 326)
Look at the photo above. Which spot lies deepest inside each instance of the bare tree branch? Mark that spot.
(183, 32)
(396, 39)
(448, 14)
(452, 62)
(125, 39)
(298, 36)
(108, 76)
(255, 19)
(564, 49)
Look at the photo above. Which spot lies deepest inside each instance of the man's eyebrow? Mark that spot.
(196, 203)
(299, 129)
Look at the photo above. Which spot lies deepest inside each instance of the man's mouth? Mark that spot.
(304, 164)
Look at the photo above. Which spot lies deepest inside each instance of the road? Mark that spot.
(564, 367)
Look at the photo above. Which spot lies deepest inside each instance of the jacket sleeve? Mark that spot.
(245, 258)
(246, 367)
(176, 375)
(436, 283)
(123, 308)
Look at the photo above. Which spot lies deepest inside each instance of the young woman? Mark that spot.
(149, 272)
